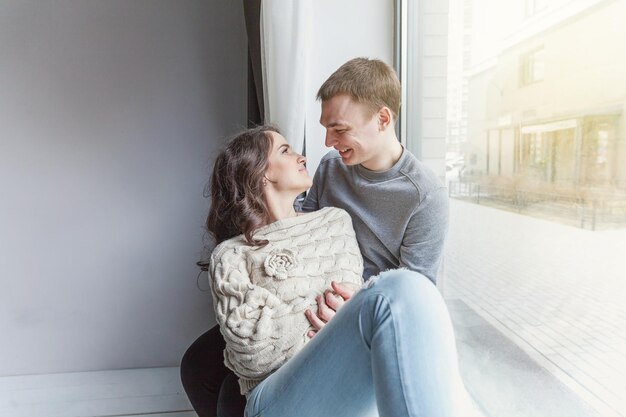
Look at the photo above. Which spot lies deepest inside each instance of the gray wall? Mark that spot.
(110, 112)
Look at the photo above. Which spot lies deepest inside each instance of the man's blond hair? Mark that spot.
(367, 81)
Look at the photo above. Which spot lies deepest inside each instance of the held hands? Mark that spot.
(329, 303)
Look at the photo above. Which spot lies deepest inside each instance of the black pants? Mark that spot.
(211, 387)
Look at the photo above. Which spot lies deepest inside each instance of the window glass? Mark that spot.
(536, 170)
(532, 67)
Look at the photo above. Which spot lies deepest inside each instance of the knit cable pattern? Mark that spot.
(260, 293)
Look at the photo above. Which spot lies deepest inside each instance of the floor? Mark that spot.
(126, 392)
(173, 414)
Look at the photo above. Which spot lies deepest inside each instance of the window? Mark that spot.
(535, 157)
(536, 150)
(532, 67)
(532, 7)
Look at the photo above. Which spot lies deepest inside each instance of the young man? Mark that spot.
(399, 207)
(399, 210)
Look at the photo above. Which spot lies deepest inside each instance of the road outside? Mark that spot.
(557, 292)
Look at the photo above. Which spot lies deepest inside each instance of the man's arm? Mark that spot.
(422, 244)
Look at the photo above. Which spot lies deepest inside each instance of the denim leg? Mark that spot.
(413, 353)
(389, 350)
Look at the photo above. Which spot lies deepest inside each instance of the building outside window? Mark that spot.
(534, 272)
(533, 7)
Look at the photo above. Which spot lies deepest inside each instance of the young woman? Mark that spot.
(388, 351)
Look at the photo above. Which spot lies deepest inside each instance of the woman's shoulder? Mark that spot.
(326, 220)
(327, 213)
(330, 215)
(336, 213)
(232, 245)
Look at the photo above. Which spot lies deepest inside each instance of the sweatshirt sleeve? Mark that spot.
(422, 244)
(250, 317)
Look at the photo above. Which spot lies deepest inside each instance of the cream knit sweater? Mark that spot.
(260, 293)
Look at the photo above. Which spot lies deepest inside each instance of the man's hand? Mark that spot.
(329, 303)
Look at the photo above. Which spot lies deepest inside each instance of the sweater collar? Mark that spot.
(383, 175)
(290, 221)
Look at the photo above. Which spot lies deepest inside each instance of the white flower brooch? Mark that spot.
(280, 262)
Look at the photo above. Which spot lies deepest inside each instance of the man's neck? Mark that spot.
(390, 154)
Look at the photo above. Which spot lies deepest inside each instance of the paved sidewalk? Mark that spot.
(558, 292)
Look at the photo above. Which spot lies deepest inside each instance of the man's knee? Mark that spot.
(403, 286)
(402, 281)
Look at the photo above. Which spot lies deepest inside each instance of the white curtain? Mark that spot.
(285, 45)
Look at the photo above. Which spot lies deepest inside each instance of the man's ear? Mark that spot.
(385, 118)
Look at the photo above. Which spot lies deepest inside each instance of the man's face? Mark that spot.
(351, 129)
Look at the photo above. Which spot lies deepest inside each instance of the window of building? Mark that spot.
(532, 66)
(532, 7)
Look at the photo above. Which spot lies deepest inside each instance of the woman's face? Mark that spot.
(286, 171)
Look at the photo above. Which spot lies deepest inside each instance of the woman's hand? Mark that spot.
(329, 303)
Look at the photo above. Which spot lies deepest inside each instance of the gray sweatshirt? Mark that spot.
(400, 215)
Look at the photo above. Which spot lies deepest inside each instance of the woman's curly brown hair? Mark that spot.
(237, 203)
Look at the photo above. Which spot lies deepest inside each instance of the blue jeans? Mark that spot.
(389, 351)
